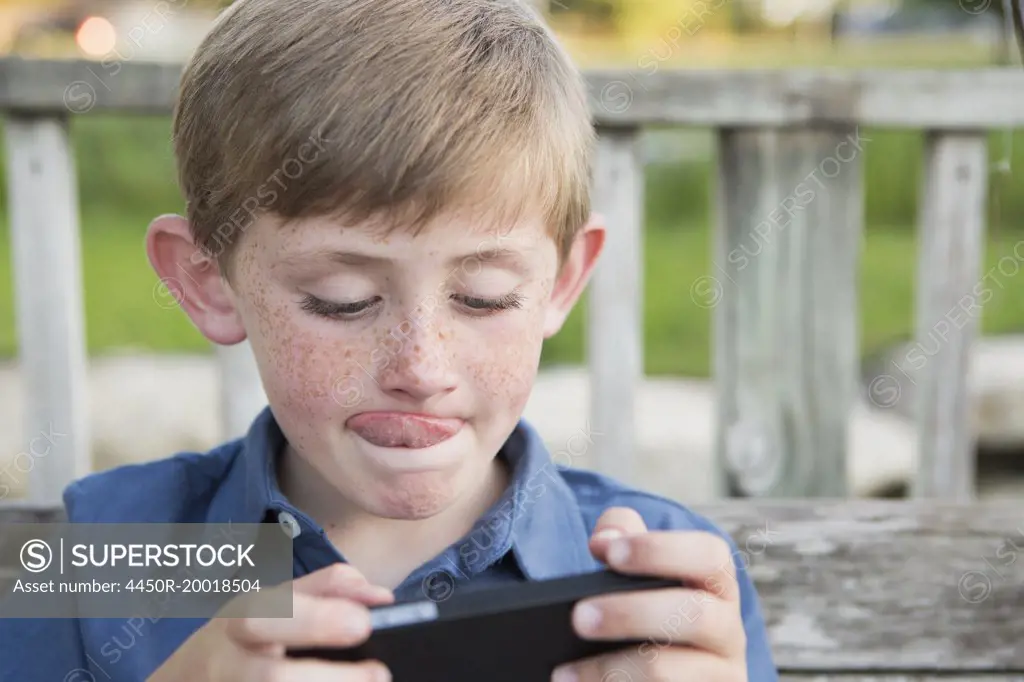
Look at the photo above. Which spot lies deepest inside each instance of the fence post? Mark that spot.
(614, 308)
(241, 390)
(950, 293)
(43, 197)
(783, 288)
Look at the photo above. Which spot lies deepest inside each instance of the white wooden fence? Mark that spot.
(790, 147)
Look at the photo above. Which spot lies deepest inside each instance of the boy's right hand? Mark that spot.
(329, 609)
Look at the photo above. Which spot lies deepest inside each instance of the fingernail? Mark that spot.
(608, 534)
(587, 618)
(358, 627)
(381, 591)
(618, 552)
(382, 674)
(565, 674)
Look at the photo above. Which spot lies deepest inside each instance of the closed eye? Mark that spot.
(477, 305)
(328, 309)
(491, 305)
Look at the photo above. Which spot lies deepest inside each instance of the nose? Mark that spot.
(414, 364)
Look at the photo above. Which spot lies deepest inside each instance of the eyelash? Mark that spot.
(482, 307)
(509, 301)
(322, 308)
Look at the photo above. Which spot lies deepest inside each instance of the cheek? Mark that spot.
(304, 371)
(505, 367)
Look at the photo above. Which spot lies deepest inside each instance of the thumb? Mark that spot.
(614, 522)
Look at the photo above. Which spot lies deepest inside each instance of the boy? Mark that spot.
(389, 200)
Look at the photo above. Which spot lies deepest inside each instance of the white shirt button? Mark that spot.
(289, 524)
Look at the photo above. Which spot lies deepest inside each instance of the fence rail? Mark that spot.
(974, 99)
(783, 279)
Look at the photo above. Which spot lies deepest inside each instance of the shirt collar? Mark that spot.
(549, 538)
(538, 513)
(250, 489)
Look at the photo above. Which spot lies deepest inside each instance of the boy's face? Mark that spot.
(396, 365)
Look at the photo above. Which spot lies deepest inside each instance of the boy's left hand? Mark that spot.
(693, 632)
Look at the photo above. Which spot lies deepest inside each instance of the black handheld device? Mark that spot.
(515, 633)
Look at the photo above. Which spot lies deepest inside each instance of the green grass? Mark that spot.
(677, 332)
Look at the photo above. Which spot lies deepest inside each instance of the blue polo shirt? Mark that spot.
(538, 530)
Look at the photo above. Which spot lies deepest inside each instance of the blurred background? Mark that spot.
(152, 378)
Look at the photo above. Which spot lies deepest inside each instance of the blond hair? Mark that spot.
(362, 108)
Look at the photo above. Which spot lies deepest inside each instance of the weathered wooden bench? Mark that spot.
(866, 590)
(926, 589)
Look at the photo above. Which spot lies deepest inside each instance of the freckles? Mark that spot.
(506, 375)
(298, 376)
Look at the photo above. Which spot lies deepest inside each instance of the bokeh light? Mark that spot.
(96, 36)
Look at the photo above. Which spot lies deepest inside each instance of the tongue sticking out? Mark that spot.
(403, 431)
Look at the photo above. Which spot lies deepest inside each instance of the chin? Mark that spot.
(413, 496)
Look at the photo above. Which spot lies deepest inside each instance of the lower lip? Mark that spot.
(411, 461)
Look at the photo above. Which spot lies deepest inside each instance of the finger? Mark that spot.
(669, 617)
(343, 580)
(614, 522)
(648, 662)
(262, 669)
(328, 574)
(315, 621)
(701, 560)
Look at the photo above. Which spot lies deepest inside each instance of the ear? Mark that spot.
(192, 280)
(575, 273)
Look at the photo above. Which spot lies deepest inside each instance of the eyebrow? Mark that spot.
(508, 259)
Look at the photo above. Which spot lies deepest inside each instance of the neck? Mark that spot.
(386, 550)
